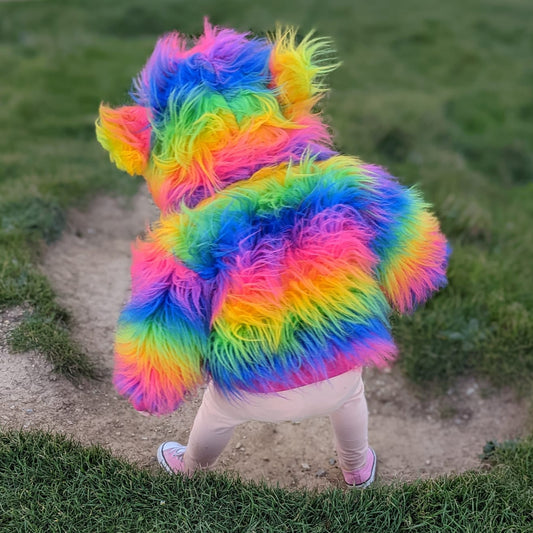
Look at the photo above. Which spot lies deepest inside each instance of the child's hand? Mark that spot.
(145, 413)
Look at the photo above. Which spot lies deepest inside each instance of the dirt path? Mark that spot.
(89, 269)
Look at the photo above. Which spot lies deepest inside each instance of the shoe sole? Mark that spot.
(372, 477)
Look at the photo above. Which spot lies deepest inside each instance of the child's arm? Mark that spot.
(413, 252)
(161, 333)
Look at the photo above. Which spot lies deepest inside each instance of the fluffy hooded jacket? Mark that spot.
(276, 261)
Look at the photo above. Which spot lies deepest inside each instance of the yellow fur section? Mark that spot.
(155, 181)
(297, 69)
(118, 141)
(317, 303)
(157, 360)
(405, 269)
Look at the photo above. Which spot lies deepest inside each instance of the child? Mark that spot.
(276, 262)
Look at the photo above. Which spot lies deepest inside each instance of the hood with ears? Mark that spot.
(214, 113)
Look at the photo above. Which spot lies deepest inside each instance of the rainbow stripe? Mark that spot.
(276, 262)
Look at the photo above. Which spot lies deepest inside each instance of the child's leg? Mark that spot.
(350, 425)
(217, 417)
(211, 431)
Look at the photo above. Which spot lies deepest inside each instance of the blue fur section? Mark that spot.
(229, 66)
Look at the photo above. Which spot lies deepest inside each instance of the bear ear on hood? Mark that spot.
(297, 70)
(125, 133)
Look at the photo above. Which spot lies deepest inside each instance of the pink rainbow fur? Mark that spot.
(276, 261)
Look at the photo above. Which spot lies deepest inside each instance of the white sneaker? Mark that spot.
(170, 457)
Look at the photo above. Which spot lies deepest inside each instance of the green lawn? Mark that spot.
(51, 484)
(439, 92)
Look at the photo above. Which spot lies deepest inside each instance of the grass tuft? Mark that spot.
(44, 326)
(51, 337)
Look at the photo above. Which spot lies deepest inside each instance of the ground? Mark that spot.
(414, 435)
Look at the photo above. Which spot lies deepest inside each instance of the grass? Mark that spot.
(49, 483)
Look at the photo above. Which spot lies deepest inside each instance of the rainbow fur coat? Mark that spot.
(276, 261)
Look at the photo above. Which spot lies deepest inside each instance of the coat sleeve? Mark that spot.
(412, 250)
(161, 333)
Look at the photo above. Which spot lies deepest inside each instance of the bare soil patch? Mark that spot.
(89, 268)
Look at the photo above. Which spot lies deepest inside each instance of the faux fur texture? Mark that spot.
(276, 261)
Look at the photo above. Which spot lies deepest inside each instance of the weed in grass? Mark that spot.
(493, 449)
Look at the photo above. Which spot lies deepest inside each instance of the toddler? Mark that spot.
(276, 261)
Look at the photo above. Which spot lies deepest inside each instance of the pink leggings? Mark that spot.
(341, 397)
